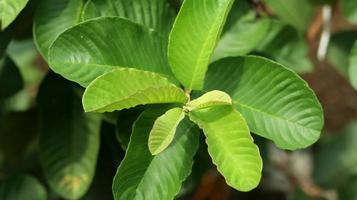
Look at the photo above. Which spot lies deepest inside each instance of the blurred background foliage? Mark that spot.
(290, 32)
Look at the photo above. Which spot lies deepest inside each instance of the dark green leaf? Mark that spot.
(69, 140)
(97, 46)
(154, 14)
(297, 13)
(143, 176)
(276, 102)
(52, 18)
(22, 187)
(238, 39)
(342, 149)
(10, 78)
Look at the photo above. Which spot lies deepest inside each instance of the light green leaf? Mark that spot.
(230, 145)
(22, 187)
(143, 176)
(154, 14)
(275, 101)
(353, 66)
(164, 129)
(69, 140)
(125, 88)
(52, 18)
(287, 11)
(9, 9)
(211, 98)
(342, 148)
(194, 37)
(349, 10)
(97, 46)
(238, 39)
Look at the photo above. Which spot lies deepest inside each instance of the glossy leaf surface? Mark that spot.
(97, 46)
(276, 102)
(52, 18)
(194, 37)
(126, 88)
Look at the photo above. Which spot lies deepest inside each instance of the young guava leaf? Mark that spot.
(194, 37)
(212, 98)
(154, 14)
(352, 70)
(69, 139)
(141, 175)
(164, 129)
(52, 18)
(126, 87)
(22, 187)
(275, 101)
(230, 145)
(97, 46)
(238, 40)
(9, 9)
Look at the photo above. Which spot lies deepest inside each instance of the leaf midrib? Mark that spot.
(206, 41)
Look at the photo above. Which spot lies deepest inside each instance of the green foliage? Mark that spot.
(155, 14)
(286, 10)
(9, 9)
(10, 78)
(164, 129)
(285, 45)
(238, 40)
(22, 187)
(349, 10)
(160, 176)
(52, 18)
(69, 141)
(353, 66)
(86, 47)
(209, 99)
(342, 149)
(276, 103)
(194, 37)
(133, 87)
(230, 145)
(189, 58)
